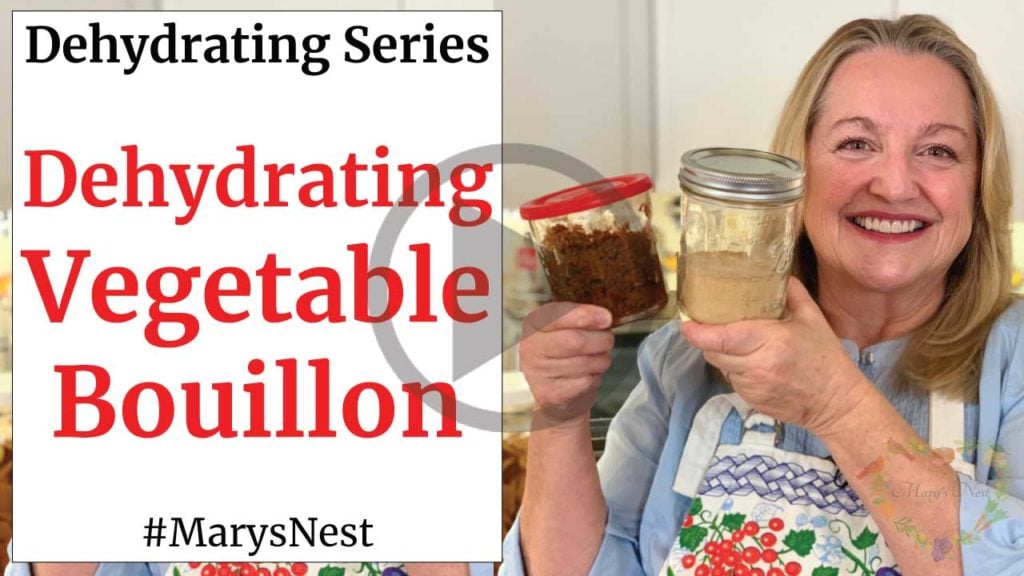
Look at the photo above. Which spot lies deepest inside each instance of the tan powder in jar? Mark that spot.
(723, 287)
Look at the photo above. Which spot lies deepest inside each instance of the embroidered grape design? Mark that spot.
(247, 569)
(285, 569)
(736, 547)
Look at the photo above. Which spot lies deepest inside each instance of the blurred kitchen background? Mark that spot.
(624, 86)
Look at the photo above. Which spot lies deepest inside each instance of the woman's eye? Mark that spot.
(854, 144)
(941, 152)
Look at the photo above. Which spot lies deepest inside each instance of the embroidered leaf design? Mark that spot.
(825, 571)
(670, 572)
(800, 541)
(176, 571)
(691, 538)
(331, 571)
(697, 507)
(734, 521)
(865, 540)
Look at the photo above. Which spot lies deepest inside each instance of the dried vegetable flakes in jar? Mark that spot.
(597, 246)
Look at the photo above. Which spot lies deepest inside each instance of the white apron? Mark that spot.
(762, 511)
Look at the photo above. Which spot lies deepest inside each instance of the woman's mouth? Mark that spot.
(891, 227)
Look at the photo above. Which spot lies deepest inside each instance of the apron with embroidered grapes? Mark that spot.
(762, 511)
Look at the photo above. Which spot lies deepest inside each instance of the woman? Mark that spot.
(907, 310)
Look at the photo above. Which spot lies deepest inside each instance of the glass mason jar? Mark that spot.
(596, 245)
(740, 217)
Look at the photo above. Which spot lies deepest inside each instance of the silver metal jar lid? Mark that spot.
(741, 174)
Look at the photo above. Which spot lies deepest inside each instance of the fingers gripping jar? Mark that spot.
(740, 216)
(597, 246)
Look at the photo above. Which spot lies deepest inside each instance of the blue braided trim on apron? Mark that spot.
(764, 476)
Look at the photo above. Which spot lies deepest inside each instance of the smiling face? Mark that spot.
(892, 166)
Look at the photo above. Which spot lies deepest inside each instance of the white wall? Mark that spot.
(726, 67)
(578, 77)
(993, 29)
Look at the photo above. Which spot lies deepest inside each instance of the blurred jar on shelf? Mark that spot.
(524, 282)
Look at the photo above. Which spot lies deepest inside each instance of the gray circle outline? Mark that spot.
(515, 153)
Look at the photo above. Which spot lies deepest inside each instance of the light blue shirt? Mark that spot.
(646, 439)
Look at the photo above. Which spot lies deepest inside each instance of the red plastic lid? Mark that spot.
(586, 196)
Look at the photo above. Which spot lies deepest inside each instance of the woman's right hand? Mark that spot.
(564, 351)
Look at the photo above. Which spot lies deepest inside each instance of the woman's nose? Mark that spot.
(895, 180)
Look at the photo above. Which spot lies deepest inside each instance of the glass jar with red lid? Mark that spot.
(597, 246)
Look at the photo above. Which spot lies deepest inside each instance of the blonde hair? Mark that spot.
(945, 353)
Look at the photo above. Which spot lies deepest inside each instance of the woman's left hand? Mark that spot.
(793, 369)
